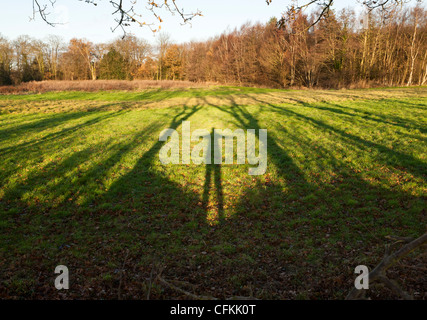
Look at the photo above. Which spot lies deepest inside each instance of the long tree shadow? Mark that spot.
(49, 138)
(388, 156)
(145, 197)
(151, 194)
(375, 118)
(369, 115)
(290, 235)
(49, 121)
(283, 162)
(310, 232)
(54, 178)
(32, 149)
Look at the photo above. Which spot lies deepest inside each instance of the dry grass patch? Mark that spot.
(98, 85)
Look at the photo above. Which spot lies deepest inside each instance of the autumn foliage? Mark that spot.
(342, 50)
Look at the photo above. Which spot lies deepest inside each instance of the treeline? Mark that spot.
(340, 51)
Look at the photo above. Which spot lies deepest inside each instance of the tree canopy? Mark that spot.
(131, 12)
(344, 49)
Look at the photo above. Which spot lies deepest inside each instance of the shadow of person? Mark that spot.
(214, 170)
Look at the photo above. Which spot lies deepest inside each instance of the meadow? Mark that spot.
(81, 184)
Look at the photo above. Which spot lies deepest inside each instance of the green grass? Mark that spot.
(87, 189)
(149, 94)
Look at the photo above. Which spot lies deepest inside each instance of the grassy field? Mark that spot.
(81, 184)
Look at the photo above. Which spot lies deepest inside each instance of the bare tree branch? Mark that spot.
(379, 272)
(326, 6)
(126, 12)
(293, 10)
(42, 10)
(384, 4)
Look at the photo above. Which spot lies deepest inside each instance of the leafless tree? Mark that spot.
(55, 45)
(389, 48)
(128, 12)
(325, 7)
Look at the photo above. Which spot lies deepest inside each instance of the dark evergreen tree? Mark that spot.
(112, 66)
(5, 75)
(31, 72)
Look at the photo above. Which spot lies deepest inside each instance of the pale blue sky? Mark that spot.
(94, 23)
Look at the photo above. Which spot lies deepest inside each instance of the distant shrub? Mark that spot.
(98, 85)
